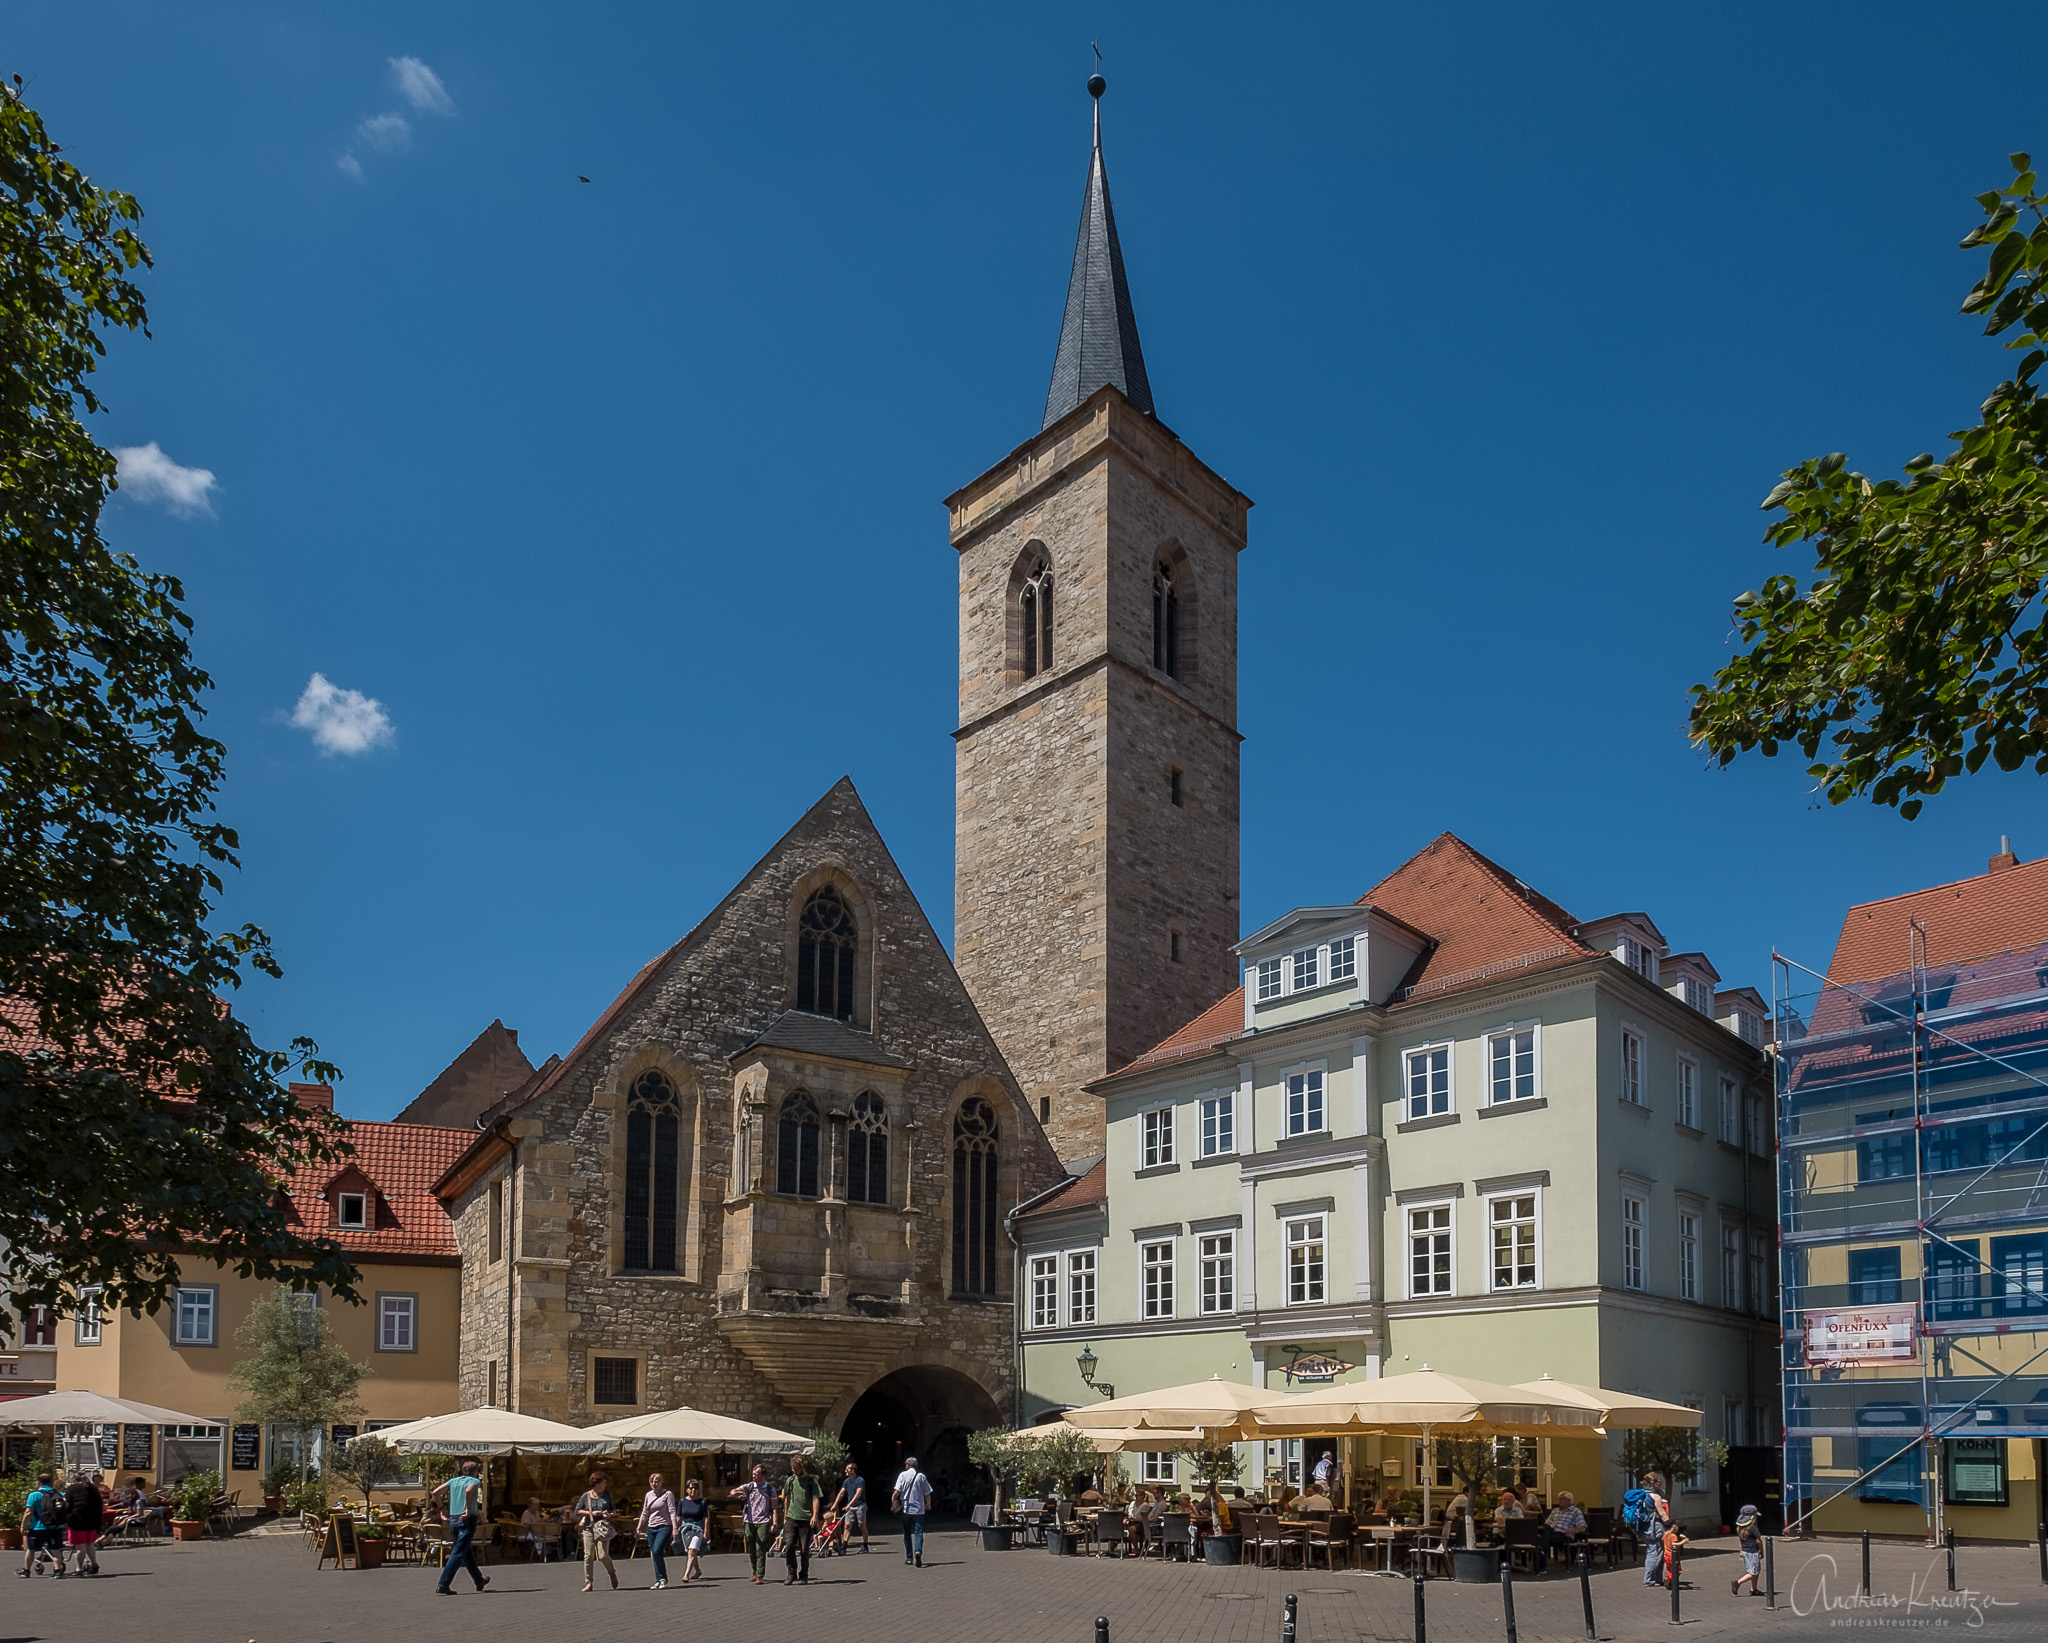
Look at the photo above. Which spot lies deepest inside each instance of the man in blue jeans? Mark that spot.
(465, 1492)
(911, 1496)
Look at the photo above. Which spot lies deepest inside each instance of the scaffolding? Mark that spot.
(1913, 1231)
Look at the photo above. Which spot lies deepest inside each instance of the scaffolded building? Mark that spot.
(1912, 1084)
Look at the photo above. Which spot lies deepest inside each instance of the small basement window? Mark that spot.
(353, 1209)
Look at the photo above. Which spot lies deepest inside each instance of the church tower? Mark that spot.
(1096, 867)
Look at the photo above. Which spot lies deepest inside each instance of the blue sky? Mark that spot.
(622, 499)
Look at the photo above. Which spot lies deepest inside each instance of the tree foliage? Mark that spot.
(829, 1454)
(292, 1372)
(1475, 1463)
(1918, 650)
(1672, 1452)
(131, 1100)
(368, 1462)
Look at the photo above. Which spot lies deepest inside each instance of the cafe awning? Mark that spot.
(1619, 1411)
(1427, 1401)
(489, 1431)
(696, 1432)
(91, 1409)
(1220, 1411)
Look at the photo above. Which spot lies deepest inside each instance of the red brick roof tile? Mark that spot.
(1221, 1022)
(1079, 1192)
(1969, 919)
(402, 1161)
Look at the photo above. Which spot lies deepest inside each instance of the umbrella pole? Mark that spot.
(1428, 1475)
(1548, 1473)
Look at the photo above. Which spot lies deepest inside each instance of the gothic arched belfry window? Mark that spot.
(867, 1150)
(1165, 621)
(1037, 602)
(827, 940)
(653, 1134)
(974, 1198)
(796, 1147)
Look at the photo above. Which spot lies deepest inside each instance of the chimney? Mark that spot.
(319, 1097)
(2005, 858)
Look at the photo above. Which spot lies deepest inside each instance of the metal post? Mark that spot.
(1948, 1537)
(1507, 1592)
(1421, 1629)
(1586, 1590)
(1770, 1573)
(1671, 1574)
(1102, 1628)
(1864, 1589)
(1287, 1620)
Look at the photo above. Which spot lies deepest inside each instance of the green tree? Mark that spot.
(368, 1462)
(1050, 1457)
(829, 1455)
(1475, 1463)
(1672, 1452)
(132, 1099)
(1918, 649)
(994, 1449)
(292, 1372)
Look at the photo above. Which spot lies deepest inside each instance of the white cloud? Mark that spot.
(342, 721)
(387, 133)
(349, 166)
(148, 475)
(421, 86)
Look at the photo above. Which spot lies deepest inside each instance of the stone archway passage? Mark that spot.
(926, 1411)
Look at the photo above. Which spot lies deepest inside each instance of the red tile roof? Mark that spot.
(1970, 919)
(402, 1162)
(1079, 1192)
(1218, 1024)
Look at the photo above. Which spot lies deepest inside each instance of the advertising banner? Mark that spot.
(1851, 1336)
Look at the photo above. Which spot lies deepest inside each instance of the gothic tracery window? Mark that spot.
(974, 1198)
(867, 1150)
(1036, 600)
(796, 1147)
(653, 1131)
(827, 940)
(1165, 620)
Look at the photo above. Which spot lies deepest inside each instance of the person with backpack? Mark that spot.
(1645, 1510)
(1749, 1536)
(84, 1513)
(912, 1497)
(42, 1525)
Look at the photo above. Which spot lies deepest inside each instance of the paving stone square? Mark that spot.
(265, 1589)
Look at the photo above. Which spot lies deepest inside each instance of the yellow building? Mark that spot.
(379, 1207)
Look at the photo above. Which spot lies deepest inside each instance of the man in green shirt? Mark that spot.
(803, 1503)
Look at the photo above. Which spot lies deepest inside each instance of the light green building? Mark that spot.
(1448, 1125)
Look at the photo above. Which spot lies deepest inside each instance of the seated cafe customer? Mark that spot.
(1565, 1526)
(1508, 1507)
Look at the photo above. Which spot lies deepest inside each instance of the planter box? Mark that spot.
(185, 1530)
(10, 1540)
(369, 1553)
(1222, 1548)
(1475, 1566)
(273, 1504)
(995, 1540)
(1061, 1544)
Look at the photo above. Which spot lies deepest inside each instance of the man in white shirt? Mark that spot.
(910, 1498)
(1325, 1475)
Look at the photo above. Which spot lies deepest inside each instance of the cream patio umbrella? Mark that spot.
(689, 1431)
(90, 1408)
(489, 1431)
(1222, 1411)
(1619, 1411)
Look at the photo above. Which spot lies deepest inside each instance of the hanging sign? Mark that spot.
(1316, 1366)
(1861, 1335)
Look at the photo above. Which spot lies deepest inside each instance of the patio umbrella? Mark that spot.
(1115, 1439)
(1619, 1411)
(697, 1432)
(90, 1408)
(489, 1431)
(1224, 1411)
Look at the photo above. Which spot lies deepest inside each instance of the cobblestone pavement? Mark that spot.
(266, 1590)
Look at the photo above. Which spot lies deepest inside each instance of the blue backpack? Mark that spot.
(46, 1508)
(1639, 1512)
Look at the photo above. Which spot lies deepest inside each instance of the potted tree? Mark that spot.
(1213, 1468)
(278, 1476)
(196, 1494)
(367, 1462)
(370, 1544)
(1472, 1462)
(1048, 1460)
(995, 1451)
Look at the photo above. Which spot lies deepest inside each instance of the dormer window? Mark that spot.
(1344, 958)
(1269, 980)
(1697, 994)
(1305, 970)
(1749, 1027)
(1639, 957)
(352, 1209)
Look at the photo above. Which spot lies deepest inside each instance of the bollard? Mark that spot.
(1864, 1589)
(1102, 1628)
(2044, 1554)
(1949, 1541)
(1671, 1574)
(1507, 1593)
(1586, 1589)
(1421, 1629)
(1770, 1574)
(1287, 1620)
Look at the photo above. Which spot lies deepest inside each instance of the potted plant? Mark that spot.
(995, 1450)
(196, 1494)
(370, 1545)
(1473, 1463)
(1408, 1508)
(1213, 1468)
(1048, 1464)
(309, 1494)
(279, 1476)
(15, 1489)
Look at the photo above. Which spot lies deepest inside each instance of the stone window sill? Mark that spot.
(1216, 1158)
(1501, 1109)
(1640, 1108)
(1151, 1170)
(1691, 1132)
(1435, 1121)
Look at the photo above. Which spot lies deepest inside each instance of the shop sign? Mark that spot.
(1861, 1335)
(1317, 1366)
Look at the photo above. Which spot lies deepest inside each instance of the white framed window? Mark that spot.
(89, 1319)
(1511, 1221)
(197, 1315)
(1688, 1092)
(1639, 957)
(1219, 1124)
(1749, 1027)
(1757, 1143)
(1632, 1067)
(1511, 1064)
(1155, 1279)
(1269, 980)
(1303, 970)
(1218, 1252)
(1305, 1262)
(398, 1319)
(1307, 1112)
(1694, 1482)
(1429, 1081)
(1631, 1241)
(1081, 1286)
(1697, 994)
(1731, 1422)
(1429, 1250)
(1156, 1466)
(1731, 1114)
(1731, 1267)
(1344, 958)
(352, 1209)
(1688, 1255)
(1155, 1137)
(1045, 1292)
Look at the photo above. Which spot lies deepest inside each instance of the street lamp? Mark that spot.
(1086, 1364)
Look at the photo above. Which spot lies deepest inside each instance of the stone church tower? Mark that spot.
(1096, 869)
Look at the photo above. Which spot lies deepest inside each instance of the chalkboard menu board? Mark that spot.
(340, 1542)
(135, 1448)
(343, 1434)
(110, 1448)
(247, 1449)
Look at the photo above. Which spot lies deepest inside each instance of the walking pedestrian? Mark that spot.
(693, 1513)
(851, 1503)
(910, 1498)
(803, 1503)
(658, 1524)
(42, 1525)
(464, 1493)
(1749, 1535)
(760, 1508)
(84, 1512)
(594, 1519)
(1655, 1525)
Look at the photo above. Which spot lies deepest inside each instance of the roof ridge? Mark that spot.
(1550, 912)
(1950, 884)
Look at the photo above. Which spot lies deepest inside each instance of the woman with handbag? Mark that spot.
(693, 1517)
(594, 1518)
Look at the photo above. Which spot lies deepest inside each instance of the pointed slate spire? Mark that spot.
(1099, 335)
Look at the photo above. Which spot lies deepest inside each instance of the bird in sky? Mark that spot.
(583, 179)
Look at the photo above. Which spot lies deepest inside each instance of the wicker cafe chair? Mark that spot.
(1328, 1539)
(1109, 1532)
